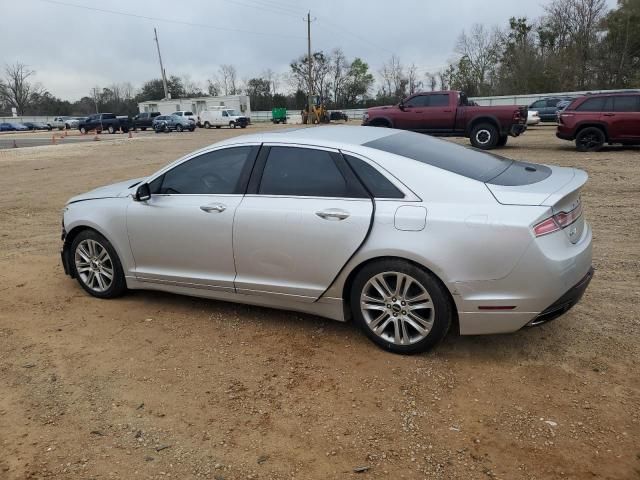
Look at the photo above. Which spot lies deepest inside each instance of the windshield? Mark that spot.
(231, 113)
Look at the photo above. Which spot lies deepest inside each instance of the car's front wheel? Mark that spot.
(400, 306)
(590, 139)
(179, 128)
(96, 265)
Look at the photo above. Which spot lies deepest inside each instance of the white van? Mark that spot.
(223, 117)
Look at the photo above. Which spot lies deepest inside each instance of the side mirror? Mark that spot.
(143, 193)
(401, 105)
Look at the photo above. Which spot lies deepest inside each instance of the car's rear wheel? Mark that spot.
(111, 130)
(484, 136)
(179, 128)
(96, 265)
(207, 125)
(590, 139)
(400, 306)
(83, 130)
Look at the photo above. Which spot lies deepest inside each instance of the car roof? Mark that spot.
(323, 135)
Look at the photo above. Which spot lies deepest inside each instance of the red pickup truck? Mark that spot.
(451, 114)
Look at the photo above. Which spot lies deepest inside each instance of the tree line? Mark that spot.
(575, 45)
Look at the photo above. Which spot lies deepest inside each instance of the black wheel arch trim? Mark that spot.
(485, 119)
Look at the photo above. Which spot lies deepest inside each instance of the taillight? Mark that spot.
(557, 222)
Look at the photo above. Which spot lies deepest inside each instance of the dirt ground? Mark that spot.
(154, 385)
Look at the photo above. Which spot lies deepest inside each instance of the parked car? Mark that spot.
(64, 122)
(422, 233)
(337, 115)
(547, 108)
(187, 114)
(223, 118)
(12, 127)
(144, 120)
(167, 123)
(594, 120)
(451, 114)
(104, 121)
(36, 126)
(533, 118)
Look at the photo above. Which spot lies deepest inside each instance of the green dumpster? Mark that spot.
(279, 115)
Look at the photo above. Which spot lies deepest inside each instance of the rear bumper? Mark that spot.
(564, 303)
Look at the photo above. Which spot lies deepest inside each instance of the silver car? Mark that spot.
(407, 235)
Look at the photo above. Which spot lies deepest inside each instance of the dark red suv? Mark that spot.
(594, 120)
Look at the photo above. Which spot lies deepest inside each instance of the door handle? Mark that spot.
(447, 111)
(609, 114)
(332, 214)
(218, 207)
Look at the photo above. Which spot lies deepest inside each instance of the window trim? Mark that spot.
(355, 189)
(242, 181)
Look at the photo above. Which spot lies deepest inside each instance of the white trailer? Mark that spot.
(239, 103)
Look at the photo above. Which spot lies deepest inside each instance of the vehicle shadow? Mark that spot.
(524, 344)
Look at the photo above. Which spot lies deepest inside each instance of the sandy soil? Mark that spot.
(160, 386)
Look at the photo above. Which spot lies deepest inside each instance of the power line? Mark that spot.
(168, 20)
(263, 7)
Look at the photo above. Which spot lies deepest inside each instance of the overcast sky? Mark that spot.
(74, 49)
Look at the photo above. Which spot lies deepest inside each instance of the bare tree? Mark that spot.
(432, 81)
(274, 80)
(394, 82)
(480, 53)
(339, 68)
(412, 79)
(16, 90)
(228, 76)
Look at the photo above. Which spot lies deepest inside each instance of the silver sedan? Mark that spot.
(407, 235)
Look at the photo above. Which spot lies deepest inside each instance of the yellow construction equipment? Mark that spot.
(319, 113)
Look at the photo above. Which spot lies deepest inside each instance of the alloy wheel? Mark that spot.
(397, 308)
(94, 265)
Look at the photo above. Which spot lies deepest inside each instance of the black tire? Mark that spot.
(111, 130)
(207, 125)
(192, 129)
(83, 130)
(590, 139)
(144, 129)
(66, 126)
(118, 284)
(441, 312)
(125, 129)
(243, 126)
(60, 128)
(179, 128)
(218, 126)
(502, 141)
(49, 127)
(484, 136)
(232, 124)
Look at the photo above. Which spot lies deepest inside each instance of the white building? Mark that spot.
(239, 103)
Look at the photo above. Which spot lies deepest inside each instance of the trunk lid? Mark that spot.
(559, 190)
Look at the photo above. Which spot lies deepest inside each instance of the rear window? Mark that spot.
(626, 103)
(477, 165)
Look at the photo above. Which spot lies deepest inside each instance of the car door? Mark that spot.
(411, 114)
(183, 233)
(305, 214)
(624, 117)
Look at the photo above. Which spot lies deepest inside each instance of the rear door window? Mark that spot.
(303, 172)
(626, 103)
(439, 100)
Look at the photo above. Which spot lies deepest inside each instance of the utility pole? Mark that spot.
(164, 77)
(310, 98)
